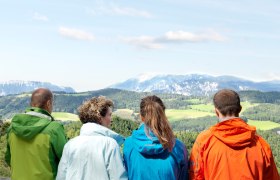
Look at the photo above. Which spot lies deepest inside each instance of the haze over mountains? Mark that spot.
(17, 87)
(193, 84)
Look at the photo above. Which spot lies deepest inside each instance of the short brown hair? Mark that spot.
(40, 97)
(94, 109)
(227, 102)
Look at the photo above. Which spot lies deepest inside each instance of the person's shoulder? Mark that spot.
(179, 147)
(206, 134)
(54, 127)
(179, 144)
(263, 143)
(128, 144)
(56, 124)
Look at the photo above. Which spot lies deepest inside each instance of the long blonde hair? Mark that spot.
(152, 111)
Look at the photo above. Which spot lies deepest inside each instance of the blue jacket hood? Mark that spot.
(146, 142)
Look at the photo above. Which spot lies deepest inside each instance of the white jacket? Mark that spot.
(95, 154)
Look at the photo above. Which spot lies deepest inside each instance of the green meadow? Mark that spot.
(193, 111)
(178, 114)
(63, 116)
(264, 125)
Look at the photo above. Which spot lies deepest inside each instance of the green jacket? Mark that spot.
(35, 145)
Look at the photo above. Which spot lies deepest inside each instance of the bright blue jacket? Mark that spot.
(145, 158)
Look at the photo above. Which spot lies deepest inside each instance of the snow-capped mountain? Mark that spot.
(193, 84)
(16, 87)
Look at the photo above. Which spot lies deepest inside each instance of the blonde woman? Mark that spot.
(152, 152)
(95, 153)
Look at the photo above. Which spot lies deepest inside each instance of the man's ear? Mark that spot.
(49, 105)
(217, 112)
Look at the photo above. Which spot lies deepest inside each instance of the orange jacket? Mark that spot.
(232, 150)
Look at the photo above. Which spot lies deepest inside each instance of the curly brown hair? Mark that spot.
(94, 109)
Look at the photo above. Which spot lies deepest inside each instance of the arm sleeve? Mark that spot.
(8, 152)
(63, 165)
(184, 166)
(196, 164)
(59, 140)
(115, 166)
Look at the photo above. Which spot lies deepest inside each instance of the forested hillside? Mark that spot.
(188, 115)
(69, 102)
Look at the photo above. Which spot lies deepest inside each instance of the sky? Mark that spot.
(92, 44)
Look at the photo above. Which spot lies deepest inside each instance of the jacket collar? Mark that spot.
(39, 112)
(92, 129)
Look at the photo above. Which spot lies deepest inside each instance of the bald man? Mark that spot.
(35, 140)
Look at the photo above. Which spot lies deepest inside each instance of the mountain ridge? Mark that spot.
(193, 84)
(18, 86)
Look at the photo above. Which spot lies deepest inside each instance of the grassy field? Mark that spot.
(125, 114)
(210, 107)
(246, 105)
(65, 116)
(176, 114)
(203, 107)
(263, 125)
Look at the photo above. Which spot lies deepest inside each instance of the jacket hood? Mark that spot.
(91, 129)
(30, 123)
(234, 132)
(146, 142)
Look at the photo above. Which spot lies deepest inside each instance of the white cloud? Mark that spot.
(174, 37)
(40, 17)
(76, 34)
(116, 10)
(130, 12)
(183, 36)
(146, 42)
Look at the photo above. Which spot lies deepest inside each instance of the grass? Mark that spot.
(264, 125)
(63, 116)
(203, 107)
(125, 114)
(176, 114)
(194, 101)
(246, 105)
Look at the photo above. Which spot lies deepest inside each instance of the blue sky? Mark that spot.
(91, 44)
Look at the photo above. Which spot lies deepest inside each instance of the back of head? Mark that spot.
(227, 102)
(94, 109)
(41, 97)
(152, 111)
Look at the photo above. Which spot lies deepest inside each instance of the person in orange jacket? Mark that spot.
(231, 149)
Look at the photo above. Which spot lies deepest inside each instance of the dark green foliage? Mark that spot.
(260, 97)
(4, 168)
(194, 124)
(264, 112)
(72, 129)
(123, 126)
(188, 138)
(273, 139)
(69, 102)
(4, 127)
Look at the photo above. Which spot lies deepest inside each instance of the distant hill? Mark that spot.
(17, 87)
(69, 102)
(123, 99)
(193, 84)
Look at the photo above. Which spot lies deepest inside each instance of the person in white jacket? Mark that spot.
(95, 153)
